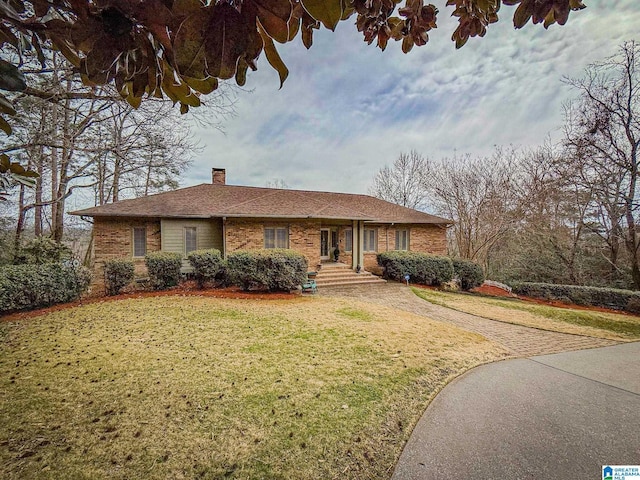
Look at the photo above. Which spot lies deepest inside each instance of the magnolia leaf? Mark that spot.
(4, 125)
(11, 78)
(7, 36)
(523, 14)
(241, 72)
(24, 180)
(6, 106)
(184, 108)
(205, 86)
(407, 44)
(274, 16)
(294, 20)
(184, 8)
(5, 163)
(308, 25)
(134, 101)
(273, 57)
(189, 45)
(226, 39)
(329, 12)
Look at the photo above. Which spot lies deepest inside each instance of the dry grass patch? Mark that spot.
(175, 387)
(612, 326)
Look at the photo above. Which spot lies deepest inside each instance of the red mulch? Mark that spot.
(184, 290)
(492, 291)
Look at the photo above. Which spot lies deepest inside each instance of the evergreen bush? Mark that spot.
(592, 296)
(26, 287)
(164, 269)
(118, 273)
(275, 269)
(468, 273)
(208, 265)
(421, 267)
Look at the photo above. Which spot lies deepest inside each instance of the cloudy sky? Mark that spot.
(347, 109)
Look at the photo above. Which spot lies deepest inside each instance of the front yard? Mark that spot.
(614, 326)
(192, 387)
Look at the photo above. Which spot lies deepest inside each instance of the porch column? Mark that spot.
(354, 245)
(361, 244)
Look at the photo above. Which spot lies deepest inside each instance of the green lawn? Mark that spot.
(193, 387)
(582, 322)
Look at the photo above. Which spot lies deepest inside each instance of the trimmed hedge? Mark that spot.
(208, 265)
(164, 269)
(421, 268)
(468, 273)
(118, 273)
(41, 250)
(592, 296)
(26, 287)
(275, 269)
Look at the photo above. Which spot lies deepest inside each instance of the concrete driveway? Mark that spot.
(553, 416)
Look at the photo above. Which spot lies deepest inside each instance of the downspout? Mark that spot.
(224, 237)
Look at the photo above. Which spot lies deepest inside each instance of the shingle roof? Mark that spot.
(208, 200)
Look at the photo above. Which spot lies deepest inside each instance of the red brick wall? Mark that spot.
(248, 234)
(422, 238)
(113, 238)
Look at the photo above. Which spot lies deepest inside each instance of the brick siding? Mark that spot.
(113, 238)
(422, 238)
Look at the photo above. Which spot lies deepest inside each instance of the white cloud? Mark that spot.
(347, 109)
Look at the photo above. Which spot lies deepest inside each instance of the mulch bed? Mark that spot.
(184, 289)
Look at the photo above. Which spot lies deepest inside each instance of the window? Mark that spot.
(190, 239)
(348, 240)
(370, 240)
(139, 241)
(276, 237)
(402, 239)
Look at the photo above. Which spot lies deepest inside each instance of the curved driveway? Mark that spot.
(520, 341)
(555, 415)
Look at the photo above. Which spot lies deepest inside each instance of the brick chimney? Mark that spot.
(218, 176)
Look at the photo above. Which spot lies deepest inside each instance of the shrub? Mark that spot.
(118, 273)
(593, 296)
(41, 250)
(469, 274)
(26, 287)
(164, 269)
(421, 267)
(208, 265)
(275, 269)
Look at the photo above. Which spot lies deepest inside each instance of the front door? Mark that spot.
(324, 244)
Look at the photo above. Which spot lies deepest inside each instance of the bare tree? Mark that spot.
(603, 130)
(277, 183)
(403, 182)
(479, 194)
(77, 138)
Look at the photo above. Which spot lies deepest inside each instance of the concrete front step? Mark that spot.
(345, 283)
(337, 275)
